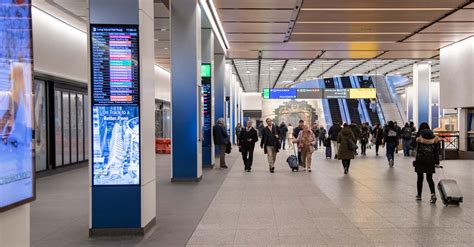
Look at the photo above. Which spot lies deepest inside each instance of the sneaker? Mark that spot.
(433, 199)
(418, 198)
(272, 169)
(390, 163)
(224, 167)
(309, 170)
(346, 170)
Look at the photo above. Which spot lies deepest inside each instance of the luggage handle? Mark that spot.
(294, 150)
(440, 167)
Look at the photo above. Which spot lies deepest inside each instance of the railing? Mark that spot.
(450, 139)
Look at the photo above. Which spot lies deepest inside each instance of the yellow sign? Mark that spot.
(362, 93)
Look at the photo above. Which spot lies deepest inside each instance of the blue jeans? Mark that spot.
(406, 147)
(391, 146)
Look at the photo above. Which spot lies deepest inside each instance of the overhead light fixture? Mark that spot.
(211, 12)
(248, 72)
(271, 68)
(294, 68)
(376, 9)
(307, 33)
(430, 62)
(166, 48)
(163, 29)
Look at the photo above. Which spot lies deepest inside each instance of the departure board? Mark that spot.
(309, 93)
(115, 104)
(336, 93)
(115, 64)
(207, 104)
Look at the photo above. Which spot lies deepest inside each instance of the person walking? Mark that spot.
(315, 130)
(270, 143)
(306, 141)
(399, 132)
(427, 158)
(347, 147)
(247, 139)
(322, 136)
(390, 139)
(238, 129)
(364, 138)
(221, 139)
(406, 139)
(378, 137)
(333, 133)
(289, 135)
(357, 133)
(283, 131)
(296, 132)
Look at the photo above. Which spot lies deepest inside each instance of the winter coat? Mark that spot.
(378, 135)
(344, 153)
(283, 130)
(269, 139)
(248, 138)
(306, 142)
(364, 135)
(334, 132)
(427, 152)
(220, 135)
(322, 134)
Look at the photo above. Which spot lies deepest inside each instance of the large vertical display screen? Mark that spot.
(115, 105)
(16, 106)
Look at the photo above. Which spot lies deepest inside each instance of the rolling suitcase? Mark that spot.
(328, 152)
(449, 191)
(292, 161)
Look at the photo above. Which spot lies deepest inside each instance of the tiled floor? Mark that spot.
(371, 206)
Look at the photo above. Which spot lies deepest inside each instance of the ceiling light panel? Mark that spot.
(248, 71)
(292, 69)
(318, 67)
(342, 67)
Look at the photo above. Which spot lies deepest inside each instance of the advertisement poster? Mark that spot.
(116, 145)
(16, 107)
(115, 105)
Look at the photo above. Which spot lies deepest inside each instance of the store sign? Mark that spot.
(115, 105)
(16, 106)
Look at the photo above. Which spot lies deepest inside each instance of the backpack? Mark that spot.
(406, 134)
(425, 153)
(392, 133)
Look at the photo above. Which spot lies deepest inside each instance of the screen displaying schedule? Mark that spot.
(114, 64)
(319, 93)
(115, 105)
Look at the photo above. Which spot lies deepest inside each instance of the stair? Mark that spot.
(391, 113)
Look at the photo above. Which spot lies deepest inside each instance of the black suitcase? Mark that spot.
(328, 152)
(292, 161)
(449, 191)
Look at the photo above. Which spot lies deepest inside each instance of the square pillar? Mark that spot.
(421, 91)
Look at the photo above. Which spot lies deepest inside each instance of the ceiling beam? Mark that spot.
(238, 75)
(328, 69)
(401, 67)
(279, 74)
(366, 61)
(466, 3)
(379, 67)
(259, 66)
(294, 17)
(309, 65)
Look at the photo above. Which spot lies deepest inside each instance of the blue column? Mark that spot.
(219, 89)
(186, 106)
(207, 45)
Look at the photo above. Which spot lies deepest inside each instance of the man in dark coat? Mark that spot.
(283, 132)
(221, 139)
(248, 137)
(346, 140)
(270, 143)
(333, 133)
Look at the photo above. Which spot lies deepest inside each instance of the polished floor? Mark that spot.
(371, 206)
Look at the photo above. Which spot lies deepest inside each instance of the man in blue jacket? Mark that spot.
(221, 139)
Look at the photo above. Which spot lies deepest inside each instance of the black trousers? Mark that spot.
(299, 157)
(346, 163)
(363, 147)
(247, 156)
(283, 141)
(429, 179)
(377, 146)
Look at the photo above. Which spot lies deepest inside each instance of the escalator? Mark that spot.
(373, 116)
(333, 103)
(352, 104)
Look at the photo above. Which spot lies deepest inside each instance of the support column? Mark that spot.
(463, 127)
(122, 91)
(186, 93)
(410, 97)
(421, 91)
(219, 89)
(207, 75)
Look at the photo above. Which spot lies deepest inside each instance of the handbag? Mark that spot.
(351, 145)
(228, 148)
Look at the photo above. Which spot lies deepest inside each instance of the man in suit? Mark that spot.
(247, 139)
(270, 143)
(221, 139)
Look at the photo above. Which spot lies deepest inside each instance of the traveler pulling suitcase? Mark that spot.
(449, 191)
(293, 161)
(327, 144)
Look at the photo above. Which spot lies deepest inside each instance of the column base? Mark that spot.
(173, 180)
(115, 232)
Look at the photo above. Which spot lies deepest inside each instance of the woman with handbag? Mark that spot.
(427, 157)
(347, 147)
(306, 141)
(270, 143)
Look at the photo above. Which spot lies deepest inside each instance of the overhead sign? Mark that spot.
(115, 105)
(16, 106)
(319, 93)
(205, 70)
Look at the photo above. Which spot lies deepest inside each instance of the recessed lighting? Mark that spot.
(271, 68)
(163, 29)
(294, 68)
(166, 48)
(430, 62)
(248, 72)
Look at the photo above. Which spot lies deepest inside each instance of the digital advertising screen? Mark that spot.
(207, 112)
(115, 105)
(279, 93)
(362, 93)
(309, 93)
(16, 106)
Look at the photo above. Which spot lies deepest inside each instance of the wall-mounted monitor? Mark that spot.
(17, 185)
(115, 104)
